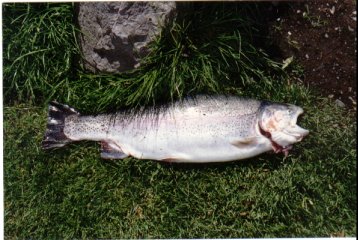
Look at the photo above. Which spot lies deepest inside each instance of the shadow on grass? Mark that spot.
(268, 160)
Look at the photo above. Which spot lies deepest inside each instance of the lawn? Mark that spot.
(72, 193)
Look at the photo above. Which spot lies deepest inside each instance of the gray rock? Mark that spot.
(115, 35)
(339, 103)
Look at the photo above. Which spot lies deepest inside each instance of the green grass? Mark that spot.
(206, 51)
(39, 45)
(72, 193)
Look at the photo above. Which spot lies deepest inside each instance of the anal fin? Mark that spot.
(110, 150)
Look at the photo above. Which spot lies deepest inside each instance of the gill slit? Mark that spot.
(276, 147)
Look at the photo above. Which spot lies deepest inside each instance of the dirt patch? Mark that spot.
(321, 36)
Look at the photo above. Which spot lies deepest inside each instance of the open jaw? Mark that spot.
(296, 130)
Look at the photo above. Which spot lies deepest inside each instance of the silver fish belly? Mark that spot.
(203, 129)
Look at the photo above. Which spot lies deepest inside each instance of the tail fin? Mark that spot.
(54, 136)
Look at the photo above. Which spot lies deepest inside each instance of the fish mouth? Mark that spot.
(296, 131)
(282, 130)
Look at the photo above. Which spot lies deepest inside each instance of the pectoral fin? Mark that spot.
(244, 142)
(110, 150)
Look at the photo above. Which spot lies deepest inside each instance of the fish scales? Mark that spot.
(176, 132)
(201, 129)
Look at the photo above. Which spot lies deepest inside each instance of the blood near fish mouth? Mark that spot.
(277, 148)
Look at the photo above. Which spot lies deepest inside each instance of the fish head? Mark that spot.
(279, 122)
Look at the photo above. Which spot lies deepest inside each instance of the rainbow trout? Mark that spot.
(198, 130)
